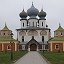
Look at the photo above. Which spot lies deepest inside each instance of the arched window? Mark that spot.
(23, 24)
(3, 33)
(61, 33)
(42, 38)
(22, 38)
(57, 46)
(32, 37)
(9, 47)
(42, 23)
(33, 24)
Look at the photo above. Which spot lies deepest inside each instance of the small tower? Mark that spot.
(42, 19)
(23, 16)
(59, 32)
(7, 42)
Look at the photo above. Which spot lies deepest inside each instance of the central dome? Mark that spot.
(32, 11)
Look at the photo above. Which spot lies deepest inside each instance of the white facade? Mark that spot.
(33, 30)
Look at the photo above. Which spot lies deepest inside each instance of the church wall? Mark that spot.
(31, 21)
(0, 47)
(40, 23)
(25, 23)
(37, 37)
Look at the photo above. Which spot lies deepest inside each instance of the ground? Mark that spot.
(54, 58)
(5, 57)
(31, 57)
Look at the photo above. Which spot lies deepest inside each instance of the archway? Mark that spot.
(33, 47)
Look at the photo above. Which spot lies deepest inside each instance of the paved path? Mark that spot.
(31, 57)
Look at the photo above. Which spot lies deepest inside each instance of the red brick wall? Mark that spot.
(6, 44)
(57, 50)
(49, 46)
(0, 47)
(13, 46)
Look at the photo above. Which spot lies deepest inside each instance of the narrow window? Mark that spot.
(23, 24)
(42, 23)
(27, 23)
(36, 24)
(61, 33)
(22, 38)
(9, 47)
(33, 24)
(32, 37)
(42, 38)
(4, 34)
(57, 46)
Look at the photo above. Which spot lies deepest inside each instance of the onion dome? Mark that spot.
(32, 12)
(42, 14)
(23, 14)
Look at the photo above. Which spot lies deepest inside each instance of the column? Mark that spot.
(63, 46)
(15, 47)
(42, 47)
(37, 48)
(51, 46)
(23, 47)
(28, 48)
(2, 47)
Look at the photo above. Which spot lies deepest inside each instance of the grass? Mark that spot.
(6, 59)
(54, 58)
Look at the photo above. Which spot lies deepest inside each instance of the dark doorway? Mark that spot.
(33, 47)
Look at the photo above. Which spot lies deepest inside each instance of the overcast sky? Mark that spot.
(10, 9)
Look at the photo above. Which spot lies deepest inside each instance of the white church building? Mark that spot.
(33, 35)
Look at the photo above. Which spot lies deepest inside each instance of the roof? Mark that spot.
(57, 39)
(59, 28)
(5, 28)
(7, 38)
(33, 28)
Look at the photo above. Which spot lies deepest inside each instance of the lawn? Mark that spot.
(5, 57)
(54, 58)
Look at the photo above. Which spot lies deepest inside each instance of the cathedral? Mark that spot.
(33, 35)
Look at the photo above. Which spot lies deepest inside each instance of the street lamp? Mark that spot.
(11, 46)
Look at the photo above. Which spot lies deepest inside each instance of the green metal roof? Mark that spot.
(59, 28)
(57, 39)
(6, 38)
(5, 28)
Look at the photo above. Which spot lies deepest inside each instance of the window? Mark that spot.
(32, 37)
(23, 24)
(42, 38)
(3, 33)
(61, 33)
(42, 23)
(33, 24)
(27, 23)
(22, 38)
(9, 47)
(57, 46)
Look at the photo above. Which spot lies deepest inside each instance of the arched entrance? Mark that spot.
(33, 47)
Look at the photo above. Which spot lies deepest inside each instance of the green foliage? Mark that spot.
(54, 58)
(5, 57)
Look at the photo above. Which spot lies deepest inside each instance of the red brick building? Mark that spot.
(7, 42)
(56, 44)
